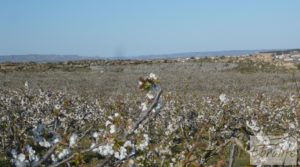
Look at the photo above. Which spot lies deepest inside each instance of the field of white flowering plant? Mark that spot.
(54, 128)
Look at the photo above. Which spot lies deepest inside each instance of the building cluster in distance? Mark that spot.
(287, 55)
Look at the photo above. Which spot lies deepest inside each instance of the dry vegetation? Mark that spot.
(93, 114)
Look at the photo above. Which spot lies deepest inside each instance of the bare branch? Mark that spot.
(147, 113)
(63, 161)
(46, 156)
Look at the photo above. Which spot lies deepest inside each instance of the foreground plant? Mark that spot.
(50, 128)
(53, 128)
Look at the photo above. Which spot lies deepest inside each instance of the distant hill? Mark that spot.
(199, 54)
(62, 58)
(280, 52)
(41, 58)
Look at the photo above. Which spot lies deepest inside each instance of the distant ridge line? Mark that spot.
(44, 58)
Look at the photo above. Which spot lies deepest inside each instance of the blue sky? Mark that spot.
(135, 27)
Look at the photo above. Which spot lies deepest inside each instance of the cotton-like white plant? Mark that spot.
(21, 157)
(105, 150)
(121, 131)
(212, 129)
(20, 160)
(223, 98)
(152, 76)
(73, 140)
(107, 123)
(292, 126)
(142, 146)
(150, 96)
(128, 143)
(65, 152)
(53, 158)
(116, 115)
(171, 128)
(31, 154)
(253, 125)
(13, 153)
(44, 143)
(57, 107)
(140, 83)
(56, 140)
(143, 107)
(112, 129)
(95, 135)
(121, 154)
(26, 85)
(131, 146)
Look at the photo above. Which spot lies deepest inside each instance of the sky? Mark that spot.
(108, 28)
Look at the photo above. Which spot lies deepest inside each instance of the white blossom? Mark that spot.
(212, 129)
(57, 107)
(26, 85)
(21, 157)
(44, 143)
(223, 98)
(140, 83)
(116, 114)
(253, 125)
(144, 106)
(292, 125)
(105, 150)
(53, 158)
(20, 160)
(152, 76)
(121, 154)
(107, 123)
(292, 98)
(149, 96)
(128, 144)
(73, 140)
(31, 153)
(142, 146)
(112, 129)
(95, 135)
(56, 140)
(64, 153)
(13, 153)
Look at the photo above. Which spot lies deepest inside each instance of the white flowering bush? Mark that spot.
(53, 128)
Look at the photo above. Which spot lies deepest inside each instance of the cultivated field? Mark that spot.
(203, 77)
(191, 112)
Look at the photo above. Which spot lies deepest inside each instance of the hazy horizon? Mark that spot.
(135, 28)
(156, 54)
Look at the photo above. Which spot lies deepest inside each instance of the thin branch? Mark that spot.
(85, 133)
(64, 161)
(46, 156)
(136, 125)
(105, 162)
(147, 113)
(209, 153)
